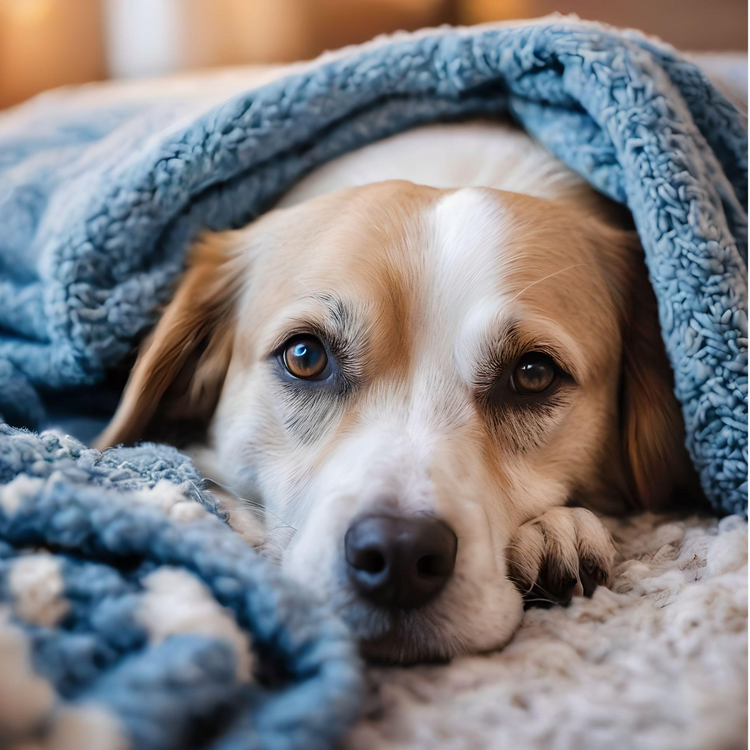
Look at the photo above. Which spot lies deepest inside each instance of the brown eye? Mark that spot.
(306, 358)
(534, 373)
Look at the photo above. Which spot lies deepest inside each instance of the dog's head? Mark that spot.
(403, 376)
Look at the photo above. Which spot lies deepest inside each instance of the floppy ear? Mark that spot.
(182, 364)
(660, 473)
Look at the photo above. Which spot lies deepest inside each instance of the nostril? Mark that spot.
(432, 566)
(370, 561)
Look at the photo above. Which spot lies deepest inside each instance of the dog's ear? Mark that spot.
(181, 366)
(657, 465)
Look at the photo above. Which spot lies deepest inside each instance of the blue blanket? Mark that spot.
(97, 206)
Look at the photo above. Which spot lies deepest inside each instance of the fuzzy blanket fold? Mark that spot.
(100, 195)
(131, 616)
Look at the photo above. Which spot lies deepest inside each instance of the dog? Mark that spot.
(418, 377)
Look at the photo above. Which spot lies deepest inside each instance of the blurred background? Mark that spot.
(48, 43)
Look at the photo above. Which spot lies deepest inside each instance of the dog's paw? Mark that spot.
(565, 551)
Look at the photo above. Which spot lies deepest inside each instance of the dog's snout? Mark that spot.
(399, 563)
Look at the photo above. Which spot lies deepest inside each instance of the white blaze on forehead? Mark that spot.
(465, 232)
(462, 293)
(470, 228)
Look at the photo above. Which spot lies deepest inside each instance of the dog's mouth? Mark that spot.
(458, 622)
(392, 650)
(396, 635)
(405, 637)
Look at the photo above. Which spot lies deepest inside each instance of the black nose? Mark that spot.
(399, 562)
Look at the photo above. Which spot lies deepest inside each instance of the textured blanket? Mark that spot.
(130, 615)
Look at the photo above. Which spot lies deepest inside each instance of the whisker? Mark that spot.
(516, 564)
(548, 276)
(304, 285)
(251, 503)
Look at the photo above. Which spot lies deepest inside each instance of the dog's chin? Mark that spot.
(414, 636)
(405, 645)
(407, 641)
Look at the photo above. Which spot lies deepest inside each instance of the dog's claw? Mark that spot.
(588, 582)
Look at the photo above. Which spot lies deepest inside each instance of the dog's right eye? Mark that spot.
(306, 358)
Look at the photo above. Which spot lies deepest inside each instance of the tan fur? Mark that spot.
(660, 471)
(199, 315)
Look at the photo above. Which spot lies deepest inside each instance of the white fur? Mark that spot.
(468, 230)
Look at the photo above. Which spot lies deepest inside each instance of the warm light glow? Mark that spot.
(26, 12)
(47, 43)
(424, 6)
(481, 11)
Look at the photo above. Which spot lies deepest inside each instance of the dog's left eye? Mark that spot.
(534, 373)
(305, 357)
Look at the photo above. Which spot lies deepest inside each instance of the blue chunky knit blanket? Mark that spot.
(130, 612)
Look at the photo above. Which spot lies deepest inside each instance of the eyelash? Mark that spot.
(297, 332)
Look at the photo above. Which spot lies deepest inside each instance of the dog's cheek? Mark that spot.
(249, 439)
(308, 416)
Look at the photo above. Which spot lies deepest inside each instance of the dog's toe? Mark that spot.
(564, 552)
